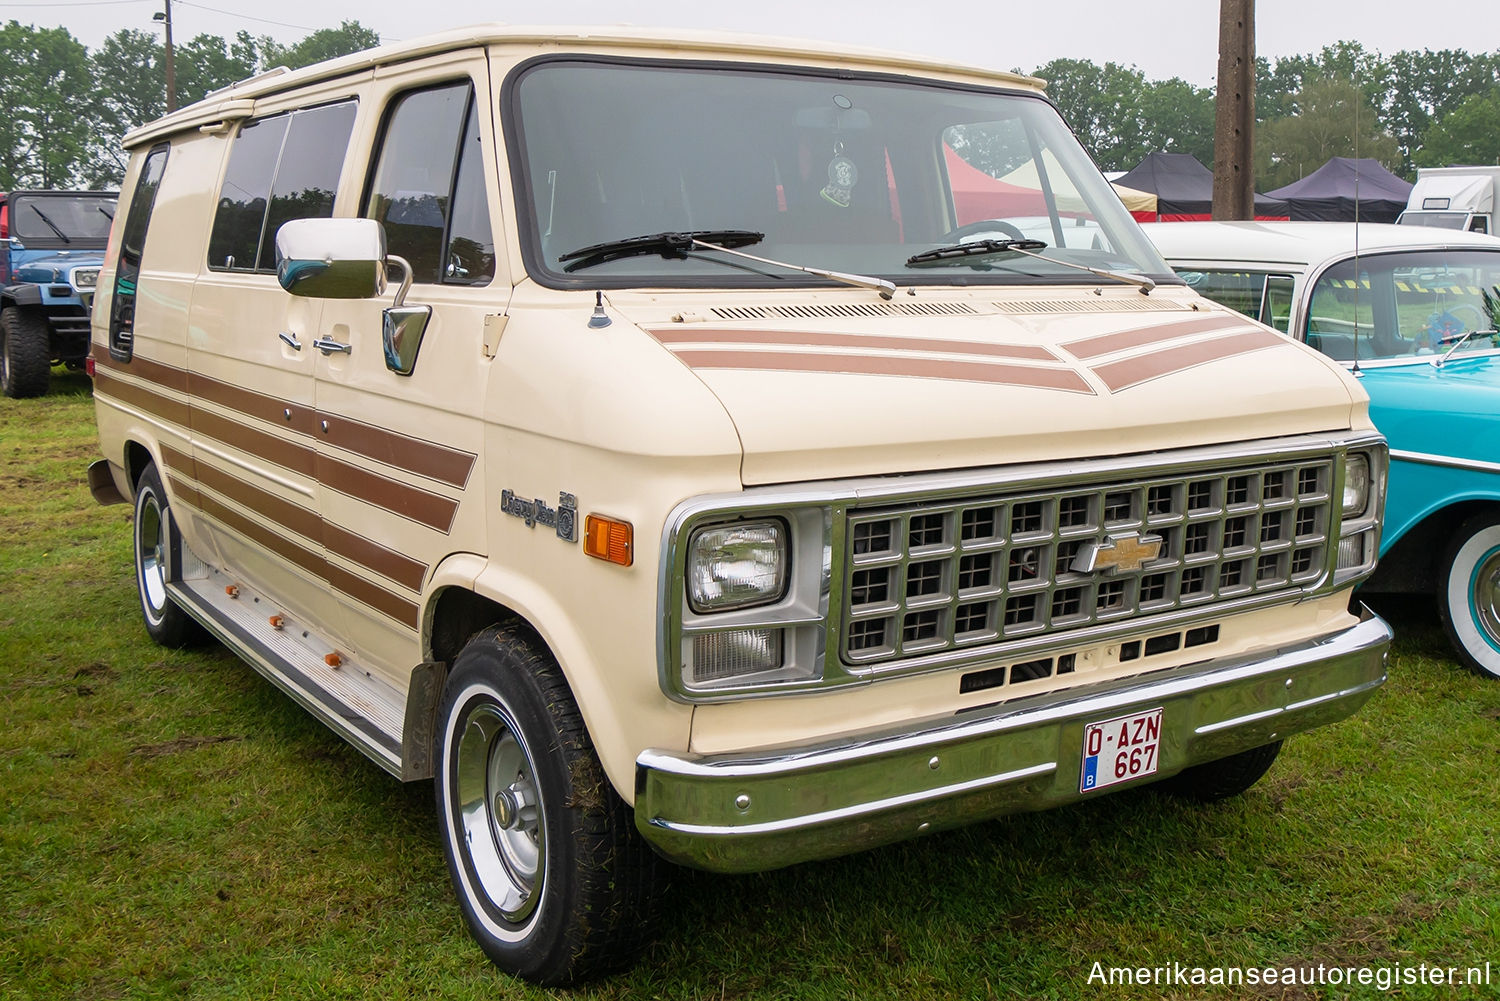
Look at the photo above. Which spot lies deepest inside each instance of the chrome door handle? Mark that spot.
(290, 340)
(329, 346)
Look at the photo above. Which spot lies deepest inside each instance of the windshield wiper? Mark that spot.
(722, 240)
(958, 251)
(52, 225)
(106, 212)
(665, 244)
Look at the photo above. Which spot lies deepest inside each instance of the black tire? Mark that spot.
(1468, 594)
(158, 548)
(554, 882)
(25, 352)
(1216, 780)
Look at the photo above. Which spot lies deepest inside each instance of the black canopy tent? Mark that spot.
(1329, 192)
(1184, 188)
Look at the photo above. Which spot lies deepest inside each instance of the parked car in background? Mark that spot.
(52, 243)
(1412, 310)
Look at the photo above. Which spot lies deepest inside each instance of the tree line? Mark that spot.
(67, 108)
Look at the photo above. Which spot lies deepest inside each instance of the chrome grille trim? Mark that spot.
(928, 578)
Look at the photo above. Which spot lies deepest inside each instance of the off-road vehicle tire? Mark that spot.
(25, 352)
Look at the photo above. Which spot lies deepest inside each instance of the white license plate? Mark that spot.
(1121, 749)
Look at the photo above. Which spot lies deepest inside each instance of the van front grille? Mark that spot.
(928, 577)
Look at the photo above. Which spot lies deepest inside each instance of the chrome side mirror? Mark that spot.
(331, 258)
(403, 326)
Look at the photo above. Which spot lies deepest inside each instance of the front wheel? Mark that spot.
(1226, 777)
(553, 880)
(1469, 593)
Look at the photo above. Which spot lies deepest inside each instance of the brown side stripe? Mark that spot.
(393, 606)
(678, 335)
(414, 455)
(1103, 344)
(919, 368)
(289, 455)
(142, 398)
(388, 563)
(432, 510)
(1134, 371)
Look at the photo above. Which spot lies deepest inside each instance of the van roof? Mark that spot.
(237, 101)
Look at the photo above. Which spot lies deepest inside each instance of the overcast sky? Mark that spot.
(1164, 38)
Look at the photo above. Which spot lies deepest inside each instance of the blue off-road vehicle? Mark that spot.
(51, 246)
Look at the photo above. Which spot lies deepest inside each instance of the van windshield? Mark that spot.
(852, 173)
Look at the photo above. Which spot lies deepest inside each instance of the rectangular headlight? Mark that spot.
(737, 566)
(1356, 485)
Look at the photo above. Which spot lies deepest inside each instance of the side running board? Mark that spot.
(363, 709)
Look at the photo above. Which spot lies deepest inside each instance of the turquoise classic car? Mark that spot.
(1412, 311)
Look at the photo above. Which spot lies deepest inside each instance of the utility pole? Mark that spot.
(165, 17)
(1234, 113)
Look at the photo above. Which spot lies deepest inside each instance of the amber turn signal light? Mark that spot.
(609, 540)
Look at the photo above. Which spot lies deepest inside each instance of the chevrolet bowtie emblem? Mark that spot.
(1123, 552)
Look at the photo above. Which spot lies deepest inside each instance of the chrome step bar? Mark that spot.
(363, 709)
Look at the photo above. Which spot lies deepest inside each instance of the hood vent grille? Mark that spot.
(844, 310)
(1138, 304)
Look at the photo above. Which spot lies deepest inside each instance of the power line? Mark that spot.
(246, 17)
(77, 3)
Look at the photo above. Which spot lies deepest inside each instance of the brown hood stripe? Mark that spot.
(1103, 344)
(1143, 368)
(917, 368)
(414, 455)
(698, 335)
(391, 605)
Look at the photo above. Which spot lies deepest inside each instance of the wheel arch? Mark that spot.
(469, 593)
(1413, 564)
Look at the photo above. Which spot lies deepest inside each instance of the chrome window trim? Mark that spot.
(833, 499)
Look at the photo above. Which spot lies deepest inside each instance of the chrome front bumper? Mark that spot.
(758, 811)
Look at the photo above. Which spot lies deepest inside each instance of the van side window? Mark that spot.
(428, 190)
(280, 168)
(132, 244)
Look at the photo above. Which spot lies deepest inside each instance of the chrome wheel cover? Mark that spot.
(150, 555)
(1485, 597)
(499, 811)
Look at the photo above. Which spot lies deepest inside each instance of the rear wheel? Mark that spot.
(553, 880)
(25, 352)
(157, 549)
(1216, 780)
(1469, 593)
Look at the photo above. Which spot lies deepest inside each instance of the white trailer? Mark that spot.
(1454, 198)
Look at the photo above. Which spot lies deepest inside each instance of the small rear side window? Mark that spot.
(132, 249)
(281, 168)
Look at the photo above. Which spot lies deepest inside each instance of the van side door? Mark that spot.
(251, 361)
(402, 442)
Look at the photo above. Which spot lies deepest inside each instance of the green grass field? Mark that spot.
(172, 826)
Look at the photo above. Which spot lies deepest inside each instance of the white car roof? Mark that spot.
(1299, 245)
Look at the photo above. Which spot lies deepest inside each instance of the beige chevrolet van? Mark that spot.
(713, 449)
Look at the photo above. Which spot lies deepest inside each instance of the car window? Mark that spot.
(428, 191)
(1395, 306)
(1276, 308)
(1243, 291)
(132, 249)
(281, 168)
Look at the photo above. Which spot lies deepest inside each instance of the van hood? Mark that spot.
(826, 388)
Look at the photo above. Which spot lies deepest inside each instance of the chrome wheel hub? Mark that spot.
(1487, 597)
(500, 811)
(150, 539)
